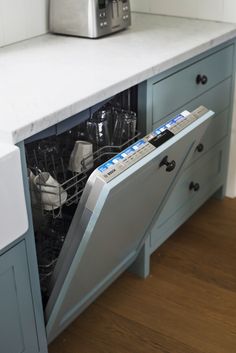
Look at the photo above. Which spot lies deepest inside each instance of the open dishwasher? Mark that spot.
(91, 220)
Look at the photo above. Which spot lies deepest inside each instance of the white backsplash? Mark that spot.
(22, 19)
(219, 10)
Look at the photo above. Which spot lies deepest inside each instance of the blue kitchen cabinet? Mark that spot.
(17, 316)
(204, 80)
(207, 80)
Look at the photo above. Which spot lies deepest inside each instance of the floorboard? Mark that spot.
(186, 305)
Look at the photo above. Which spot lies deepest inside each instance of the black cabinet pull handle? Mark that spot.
(169, 165)
(200, 148)
(201, 79)
(194, 186)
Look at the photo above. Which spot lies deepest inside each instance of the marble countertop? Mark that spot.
(50, 78)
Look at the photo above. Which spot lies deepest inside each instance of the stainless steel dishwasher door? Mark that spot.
(111, 222)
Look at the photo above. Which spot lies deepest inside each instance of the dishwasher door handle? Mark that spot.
(170, 166)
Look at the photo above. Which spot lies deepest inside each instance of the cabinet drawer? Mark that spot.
(216, 131)
(217, 99)
(198, 182)
(182, 87)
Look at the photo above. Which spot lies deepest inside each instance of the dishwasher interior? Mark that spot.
(60, 165)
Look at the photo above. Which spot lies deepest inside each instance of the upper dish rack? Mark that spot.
(50, 178)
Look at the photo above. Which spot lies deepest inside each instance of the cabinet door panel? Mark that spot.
(218, 99)
(17, 322)
(11, 326)
(208, 174)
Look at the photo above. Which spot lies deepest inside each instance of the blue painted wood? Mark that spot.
(141, 266)
(163, 94)
(176, 90)
(218, 98)
(32, 260)
(184, 64)
(216, 132)
(17, 319)
(209, 172)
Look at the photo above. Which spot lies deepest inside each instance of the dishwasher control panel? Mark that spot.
(149, 143)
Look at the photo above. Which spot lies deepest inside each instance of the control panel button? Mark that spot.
(102, 15)
(148, 144)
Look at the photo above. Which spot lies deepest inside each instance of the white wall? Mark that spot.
(219, 10)
(22, 19)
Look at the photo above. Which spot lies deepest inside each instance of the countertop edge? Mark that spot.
(42, 123)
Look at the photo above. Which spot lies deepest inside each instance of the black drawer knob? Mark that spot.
(201, 79)
(200, 148)
(169, 165)
(194, 186)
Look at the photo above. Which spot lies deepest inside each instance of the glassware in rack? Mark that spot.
(124, 127)
(98, 129)
(109, 130)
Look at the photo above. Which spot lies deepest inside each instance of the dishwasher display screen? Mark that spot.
(161, 138)
(128, 152)
(145, 146)
(101, 4)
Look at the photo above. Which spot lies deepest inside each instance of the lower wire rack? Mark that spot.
(69, 186)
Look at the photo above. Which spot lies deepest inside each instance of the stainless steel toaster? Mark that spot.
(89, 18)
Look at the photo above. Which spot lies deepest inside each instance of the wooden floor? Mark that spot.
(187, 305)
